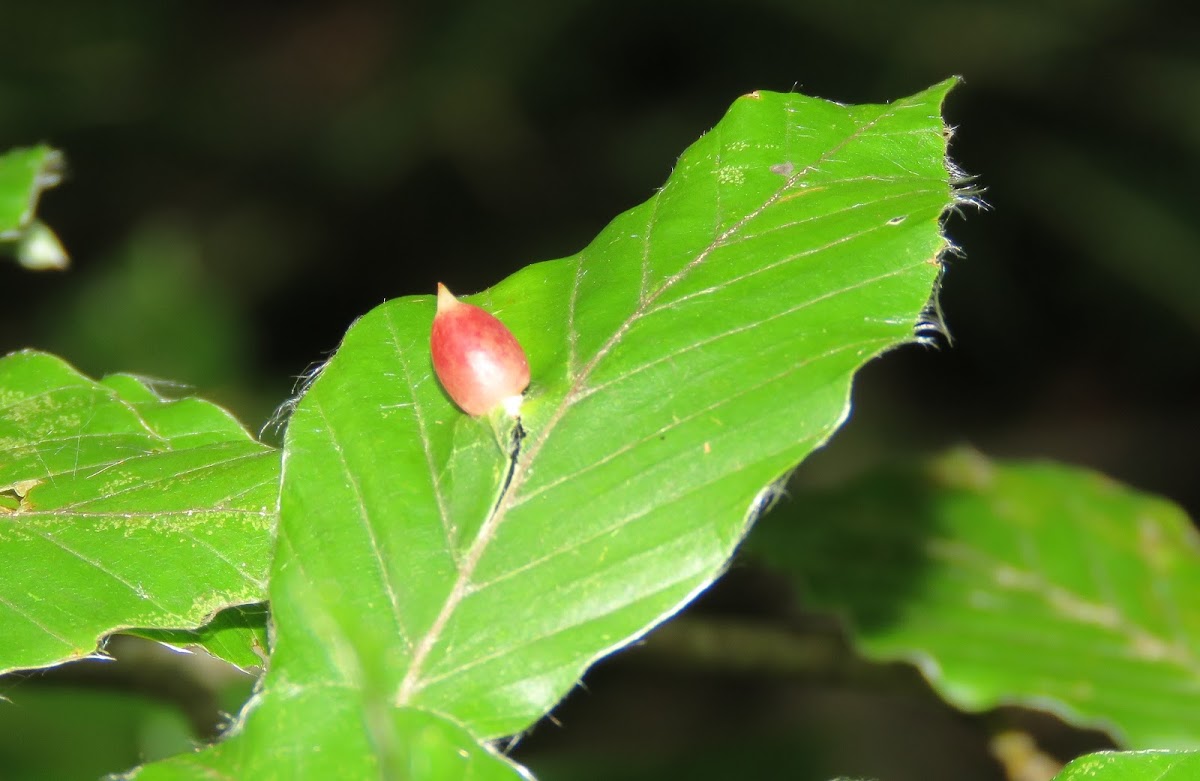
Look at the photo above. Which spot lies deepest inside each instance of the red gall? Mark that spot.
(477, 359)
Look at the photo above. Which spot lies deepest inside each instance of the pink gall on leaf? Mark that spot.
(476, 358)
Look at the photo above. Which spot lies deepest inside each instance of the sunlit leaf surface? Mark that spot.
(119, 509)
(1134, 766)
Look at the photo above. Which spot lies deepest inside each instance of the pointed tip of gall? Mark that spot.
(445, 299)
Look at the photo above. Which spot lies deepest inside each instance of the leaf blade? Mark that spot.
(24, 173)
(1133, 766)
(148, 513)
(1033, 583)
(624, 307)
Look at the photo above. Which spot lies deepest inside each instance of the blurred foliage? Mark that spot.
(246, 180)
(152, 290)
(24, 174)
(106, 731)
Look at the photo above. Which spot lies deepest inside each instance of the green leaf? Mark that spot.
(1134, 766)
(105, 730)
(238, 635)
(24, 174)
(333, 732)
(1032, 583)
(124, 510)
(696, 351)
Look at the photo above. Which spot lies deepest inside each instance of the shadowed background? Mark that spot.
(247, 179)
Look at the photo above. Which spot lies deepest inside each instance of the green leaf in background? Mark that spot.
(157, 277)
(24, 174)
(121, 510)
(104, 731)
(696, 351)
(1134, 766)
(1012, 583)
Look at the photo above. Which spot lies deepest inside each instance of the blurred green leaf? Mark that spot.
(698, 349)
(124, 510)
(1031, 583)
(1134, 766)
(151, 309)
(64, 734)
(24, 174)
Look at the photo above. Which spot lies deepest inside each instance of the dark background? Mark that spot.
(247, 178)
